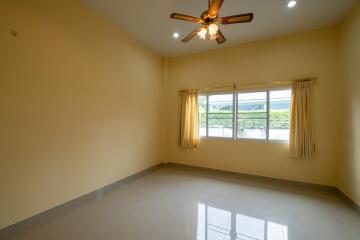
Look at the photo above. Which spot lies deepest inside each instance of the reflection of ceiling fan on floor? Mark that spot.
(210, 22)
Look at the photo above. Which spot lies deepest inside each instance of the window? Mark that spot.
(202, 115)
(279, 125)
(252, 115)
(263, 115)
(220, 115)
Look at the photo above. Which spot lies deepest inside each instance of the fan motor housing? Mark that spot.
(207, 19)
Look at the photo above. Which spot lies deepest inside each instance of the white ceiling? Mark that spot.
(149, 20)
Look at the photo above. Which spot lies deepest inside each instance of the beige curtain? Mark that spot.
(189, 125)
(302, 143)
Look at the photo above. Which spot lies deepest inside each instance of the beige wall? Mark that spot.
(349, 175)
(311, 54)
(80, 105)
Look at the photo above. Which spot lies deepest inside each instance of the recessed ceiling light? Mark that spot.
(291, 4)
(176, 35)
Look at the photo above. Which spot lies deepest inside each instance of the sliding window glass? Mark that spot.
(279, 127)
(220, 115)
(252, 115)
(263, 115)
(202, 115)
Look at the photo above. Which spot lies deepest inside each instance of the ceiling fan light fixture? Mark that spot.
(213, 30)
(210, 22)
(202, 33)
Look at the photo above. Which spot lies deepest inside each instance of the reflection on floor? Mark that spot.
(180, 203)
(217, 224)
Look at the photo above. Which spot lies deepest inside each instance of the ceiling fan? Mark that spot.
(210, 22)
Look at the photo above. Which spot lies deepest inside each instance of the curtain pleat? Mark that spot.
(189, 124)
(302, 143)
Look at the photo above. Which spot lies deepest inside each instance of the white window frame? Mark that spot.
(235, 114)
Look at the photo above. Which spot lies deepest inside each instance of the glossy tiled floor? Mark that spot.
(177, 203)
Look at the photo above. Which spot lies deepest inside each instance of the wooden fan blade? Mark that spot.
(191, 35)
(220, 38)
(215, 7)
(185, 17)
(242, 18)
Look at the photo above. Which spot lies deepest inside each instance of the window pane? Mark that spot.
(202, 116)
(249, 228)
(220, 115)
(252, 115)
(279, 125)
(220, 128)
(276, 231)
(218, 224)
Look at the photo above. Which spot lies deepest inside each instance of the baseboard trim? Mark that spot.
(5, 232)
(294, 183)
(347, 199)
(258, 177)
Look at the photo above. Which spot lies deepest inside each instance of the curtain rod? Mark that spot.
(277, 82)
(234, 87)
